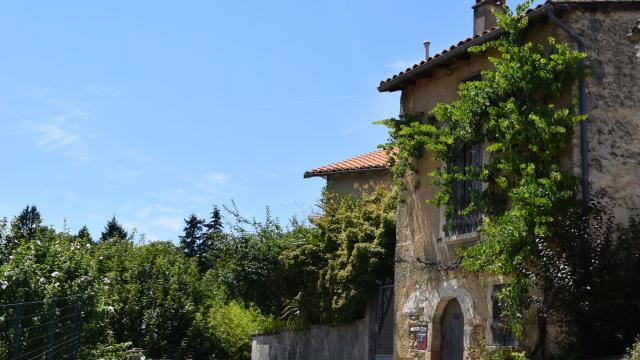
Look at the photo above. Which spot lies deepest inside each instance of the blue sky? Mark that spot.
(152, 110)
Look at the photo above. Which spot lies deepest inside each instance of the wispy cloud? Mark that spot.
(151, 219)
(308, 101)
(217, 177)
(171, 223)
(401, 64)
(61, 126)
(51, 137)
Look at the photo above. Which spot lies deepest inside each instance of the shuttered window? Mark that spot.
(469, 155)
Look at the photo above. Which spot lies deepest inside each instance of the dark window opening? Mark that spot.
(463, 191)
(500, 331)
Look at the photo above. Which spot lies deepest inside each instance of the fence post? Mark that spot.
(15, 353)
(76, 331)
(52, 329)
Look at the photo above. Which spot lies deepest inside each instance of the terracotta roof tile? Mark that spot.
(486, 33)
(375, 160)
(453, 47)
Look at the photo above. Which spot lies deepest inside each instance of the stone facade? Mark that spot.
(613, 103)
(358, 182)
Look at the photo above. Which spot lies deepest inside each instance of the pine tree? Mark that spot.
(191, 239)
(85, 235)
(212, 241)
(27, 223)
(114, 231)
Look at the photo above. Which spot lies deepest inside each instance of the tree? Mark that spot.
(85, 235)
(114, 231)
(27, 223)
(210, 246)
(192, 236)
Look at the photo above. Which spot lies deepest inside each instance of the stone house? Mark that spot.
(440, 307)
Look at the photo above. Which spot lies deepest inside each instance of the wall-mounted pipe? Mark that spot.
(582, 106)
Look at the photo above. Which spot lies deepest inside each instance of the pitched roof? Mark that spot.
(398, 81)
(376, 160)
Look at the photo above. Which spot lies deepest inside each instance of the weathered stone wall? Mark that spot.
(349, 342)
(613, 103)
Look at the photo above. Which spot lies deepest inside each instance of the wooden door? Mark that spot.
(452, 332)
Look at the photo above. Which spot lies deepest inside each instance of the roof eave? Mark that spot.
(400, 81)
(309, 174)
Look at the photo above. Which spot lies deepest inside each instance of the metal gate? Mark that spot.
(383, 332)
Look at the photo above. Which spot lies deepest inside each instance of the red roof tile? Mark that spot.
(376, 160)
(477, 39)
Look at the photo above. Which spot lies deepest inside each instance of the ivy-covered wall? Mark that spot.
(613, 96)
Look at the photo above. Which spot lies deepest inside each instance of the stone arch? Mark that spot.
(434, 309)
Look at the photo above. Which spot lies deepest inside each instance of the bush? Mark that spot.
(150, 292)
(224, 330)
(341, 263)
(633, 353)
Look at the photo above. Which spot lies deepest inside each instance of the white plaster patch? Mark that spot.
(415, 302)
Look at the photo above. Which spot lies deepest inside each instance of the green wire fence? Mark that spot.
(41, 330)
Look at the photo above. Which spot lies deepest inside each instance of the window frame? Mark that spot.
(457, 237)
(461, 238)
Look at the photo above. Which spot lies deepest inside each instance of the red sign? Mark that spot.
(421, 341)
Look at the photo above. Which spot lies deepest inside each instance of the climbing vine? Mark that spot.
(519, 113)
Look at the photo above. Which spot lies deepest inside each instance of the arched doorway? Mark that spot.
(452, 325)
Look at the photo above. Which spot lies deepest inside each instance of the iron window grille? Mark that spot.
(464, 190)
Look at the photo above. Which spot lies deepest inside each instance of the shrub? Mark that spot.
(633, 353)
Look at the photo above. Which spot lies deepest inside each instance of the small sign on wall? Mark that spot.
(420, 336)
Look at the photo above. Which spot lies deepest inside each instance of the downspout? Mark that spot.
(582, 104)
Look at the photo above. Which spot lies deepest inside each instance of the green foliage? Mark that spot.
(225, 329)
(150, 287)
(27, 223)
(114, 232)
(339, 266)
(517, 111)
(634, 352)
(249, 263)
(192, 235)
(85, 235)
(209, 249)
(152, 296)
(107, 352)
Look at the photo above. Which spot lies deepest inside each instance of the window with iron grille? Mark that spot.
(464, 190)
(501, 334)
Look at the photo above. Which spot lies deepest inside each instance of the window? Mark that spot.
(500, 331)
(470, 155)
